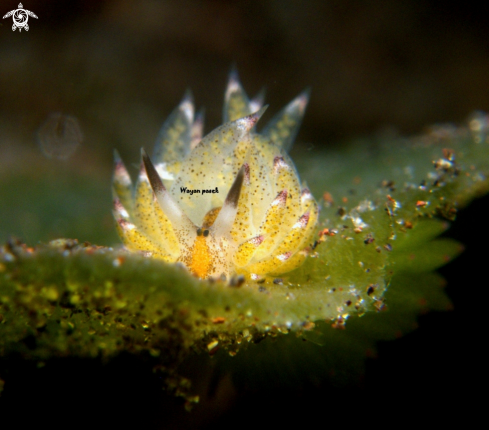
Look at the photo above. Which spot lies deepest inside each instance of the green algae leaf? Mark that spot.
(55, 200)
(367, 277)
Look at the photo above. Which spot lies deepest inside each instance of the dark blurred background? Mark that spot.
(120, 67)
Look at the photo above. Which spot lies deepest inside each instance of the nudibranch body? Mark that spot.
(223, 205)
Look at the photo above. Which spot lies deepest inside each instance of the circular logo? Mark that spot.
(20, 17)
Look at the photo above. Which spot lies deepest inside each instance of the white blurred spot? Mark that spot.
(59, 136)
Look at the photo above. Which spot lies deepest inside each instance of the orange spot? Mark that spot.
(324, 232)
(201, 261)
(421, 203)
(328, 198)
(218, 320)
